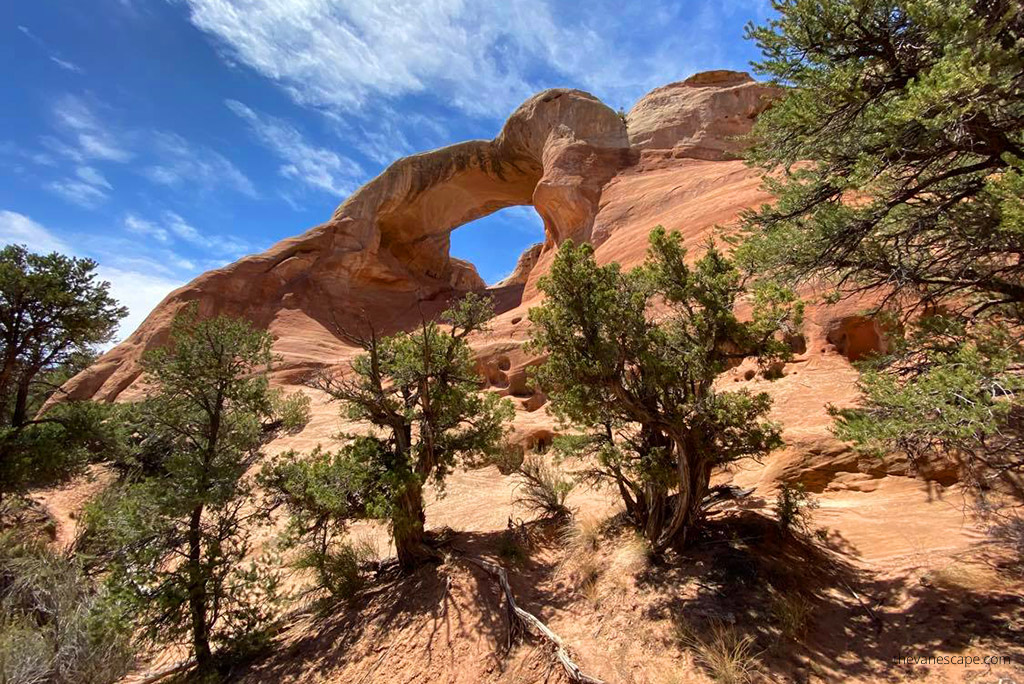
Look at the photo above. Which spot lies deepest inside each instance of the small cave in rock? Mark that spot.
(857, 337)
(519, 385)
(540, 441)
(534, 402)
(797, 343)
(517, 320)
(504, 363)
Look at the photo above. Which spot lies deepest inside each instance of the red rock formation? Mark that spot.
(383, 255)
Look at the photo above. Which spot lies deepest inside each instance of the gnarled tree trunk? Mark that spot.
(408, 528)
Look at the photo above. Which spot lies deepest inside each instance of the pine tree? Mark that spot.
(53, 313)
(420, 393)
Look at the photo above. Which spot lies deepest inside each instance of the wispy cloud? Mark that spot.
(17, 228)
(89, 136)
(182, 163)
(66, 65)
(54, 56)
(76, 191)
(140, 226)
(88, 188)
(482, 58)
(171, 227)
(317, 167)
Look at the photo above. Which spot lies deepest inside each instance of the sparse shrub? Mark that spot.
(727, 655)
(322, 492)
(510, 549)
(791, 612)
(543, 489)
(793, 506)
(339, 570)
(1006, 528)
(507, 458)
(55, 624)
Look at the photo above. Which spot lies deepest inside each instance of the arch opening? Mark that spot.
(494, 243)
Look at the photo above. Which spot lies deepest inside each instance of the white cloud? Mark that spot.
(91, 138)
(315, 166)
(483, 58)
(139, 290)
(183, 163)
(88, 188)
(78, 192)
(66, 65)
(93, 177)
(51, 53)
(141, 226)
(19, 229)
(171, 227)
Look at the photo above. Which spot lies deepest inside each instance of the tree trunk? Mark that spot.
(197, 594)
(408, 529)
(694, 480)
(20, 415)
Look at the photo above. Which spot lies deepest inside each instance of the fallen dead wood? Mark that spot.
(520, 621)
(149, 678)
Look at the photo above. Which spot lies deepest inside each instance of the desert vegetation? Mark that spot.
(895, 158)
(639, 381)
(916, 110)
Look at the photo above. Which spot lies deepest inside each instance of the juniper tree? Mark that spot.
(179, 533)
(896, 157)
(53, 313)
(632, 360)
(419, 392)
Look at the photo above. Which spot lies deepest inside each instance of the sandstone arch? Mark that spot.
(384, 252)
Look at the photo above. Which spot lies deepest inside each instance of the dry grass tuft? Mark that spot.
(634, 556)
(581, 541)
(727, 655)
(957, 576)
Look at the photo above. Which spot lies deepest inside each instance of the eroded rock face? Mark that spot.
(700, 117)
(383, 255)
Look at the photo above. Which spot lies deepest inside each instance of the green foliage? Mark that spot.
(55, 625)
(632, 359)
(53, 312)
(793, 506)
(419, 391)
(322, 492)
(177, 536)
(897, 159)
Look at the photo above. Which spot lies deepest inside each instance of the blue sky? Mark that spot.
(167, 137)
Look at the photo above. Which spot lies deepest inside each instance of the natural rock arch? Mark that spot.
(383, 254)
